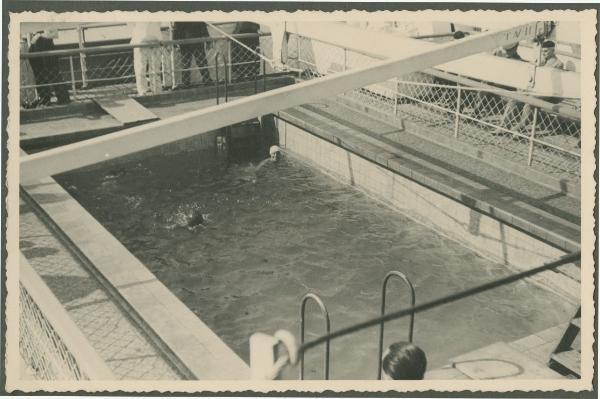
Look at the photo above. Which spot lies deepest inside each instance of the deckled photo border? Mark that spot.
(588, 21)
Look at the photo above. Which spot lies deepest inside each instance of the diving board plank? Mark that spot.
(500, 361)
(73, 156)
(125, 109)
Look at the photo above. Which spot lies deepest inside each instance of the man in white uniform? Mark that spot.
(146, 59)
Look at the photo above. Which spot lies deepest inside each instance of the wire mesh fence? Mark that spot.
(45, 354)
(50, 344)
(488, 118)
(69, 75)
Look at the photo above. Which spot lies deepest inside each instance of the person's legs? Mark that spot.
(139, 66)
(202, 62)
(525, 117)
(154, 57)
(44, 91)
(186, 52)
(510, 110)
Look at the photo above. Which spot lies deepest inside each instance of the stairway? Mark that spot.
(566, 358)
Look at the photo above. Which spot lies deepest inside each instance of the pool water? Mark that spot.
(273, 236)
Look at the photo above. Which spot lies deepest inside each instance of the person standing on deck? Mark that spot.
(146, 60)
(197, 51)
(28, 95)
(548, 60)
(509, 51)
(46, 70)
(246, 63)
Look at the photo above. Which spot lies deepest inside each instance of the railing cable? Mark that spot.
(573, 257)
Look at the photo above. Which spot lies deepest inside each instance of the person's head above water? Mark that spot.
(275, 153)
(404, 361)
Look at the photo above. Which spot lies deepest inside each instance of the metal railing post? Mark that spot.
(396, 97)
(403, 277)
(325, 315)
(457, 112)
(172, 58)
(532, 136)
(229, 66)
(82, 56)
(73, 85)
(217, 75)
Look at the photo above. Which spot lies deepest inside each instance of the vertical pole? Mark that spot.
(532, 136)
(228, 65)
(345, 58)
(457, 112)
(217, 75)
(172, 57)
(82, 60)
(396, 90)
(73, 86)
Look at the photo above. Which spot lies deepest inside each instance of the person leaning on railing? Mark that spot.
(46, 70)
(146, 59)
(191, 30)
(548, 60)
(246, 64)
(509, 51)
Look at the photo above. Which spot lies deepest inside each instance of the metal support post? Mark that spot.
(532, 136)
(229, 65)
(457, 112)
(82, 56)
(73, 85)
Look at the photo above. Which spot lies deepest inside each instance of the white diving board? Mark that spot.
(138, 138)
(126, 110)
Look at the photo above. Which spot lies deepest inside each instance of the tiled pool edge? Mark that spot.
(195, 350)
(480, 232)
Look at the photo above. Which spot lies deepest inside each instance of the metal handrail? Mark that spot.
(122, 47)
(406, 280)
(563, 111)
(325, 315)
(217, 56)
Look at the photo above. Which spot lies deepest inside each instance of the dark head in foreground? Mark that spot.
(404, 361)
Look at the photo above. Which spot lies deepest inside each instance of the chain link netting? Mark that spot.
(138, 71)
(45, 355)
(486, 119)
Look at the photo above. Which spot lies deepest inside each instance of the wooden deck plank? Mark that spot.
(125, 109)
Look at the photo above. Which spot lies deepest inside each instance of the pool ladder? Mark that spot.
(411, 326)
(325, 314)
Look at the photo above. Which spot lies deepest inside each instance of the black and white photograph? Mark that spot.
(257, 201)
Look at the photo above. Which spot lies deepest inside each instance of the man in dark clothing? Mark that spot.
(191, 30)
(46, 70)
(509, 51)
(246, 64)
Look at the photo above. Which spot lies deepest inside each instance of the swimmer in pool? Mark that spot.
(274, 156)
(197, 219)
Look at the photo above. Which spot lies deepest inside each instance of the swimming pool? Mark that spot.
(270, 238)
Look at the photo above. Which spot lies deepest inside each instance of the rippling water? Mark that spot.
(270, 237)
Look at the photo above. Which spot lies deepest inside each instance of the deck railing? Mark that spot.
(51, 345)
(61, 75)
(541, 134)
